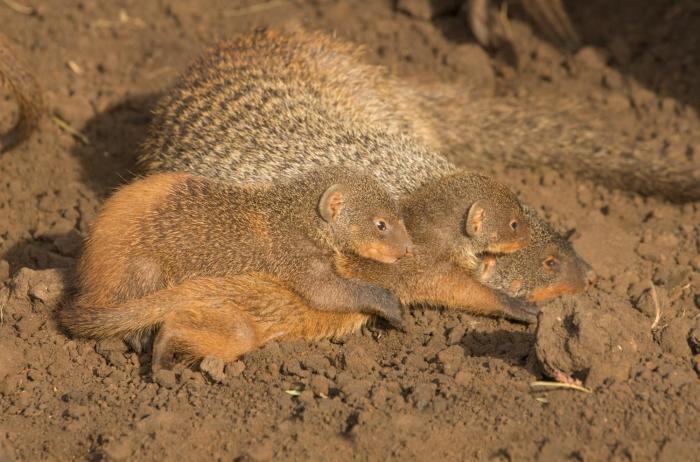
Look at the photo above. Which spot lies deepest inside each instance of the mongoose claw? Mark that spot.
(519, 310)
(394, 318)
(389, 308)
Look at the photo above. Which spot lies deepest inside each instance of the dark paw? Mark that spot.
(396, 321)
(389, 308)
(520, 310)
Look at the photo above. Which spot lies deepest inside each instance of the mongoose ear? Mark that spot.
(331, 203)
(475, 218)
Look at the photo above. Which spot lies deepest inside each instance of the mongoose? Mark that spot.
(445, 117)
(223, 317)
(312, 97)
(252, 109)
(230, 316)
(494, 222)
(547, 268)
(167, 228)
(15, 74)
(227, 318)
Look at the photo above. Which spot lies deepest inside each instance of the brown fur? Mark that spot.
(224, 317)
(547, 268)
(15, 74)
(437, 282)
(228, 317)
(273, 105)
(166, 229)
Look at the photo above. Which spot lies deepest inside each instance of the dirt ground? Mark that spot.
(455, 386)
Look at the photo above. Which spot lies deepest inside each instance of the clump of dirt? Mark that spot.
(591, 340)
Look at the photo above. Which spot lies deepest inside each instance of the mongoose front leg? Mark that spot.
(323, 290)
(451, 287)
(471, 295)
(441, 283)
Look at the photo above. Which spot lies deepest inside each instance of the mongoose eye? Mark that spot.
(514, 225)
(551, 263)
(381, 225)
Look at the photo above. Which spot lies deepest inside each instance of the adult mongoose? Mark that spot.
(547, 268)
(15, 74)
(311, 96)
(446, 117)
(168, 228)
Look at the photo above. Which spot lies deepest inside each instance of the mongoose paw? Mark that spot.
(389, 308)
(519, 310)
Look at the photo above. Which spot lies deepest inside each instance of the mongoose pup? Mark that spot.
(494, 221)
(229, 317)
(167, 228)
(15, 74)
(311, 96)
(547, 268)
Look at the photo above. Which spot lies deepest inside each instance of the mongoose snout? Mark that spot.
(392, 243)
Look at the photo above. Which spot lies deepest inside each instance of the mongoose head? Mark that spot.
(365, 220)
(547, 268)
(469, 212)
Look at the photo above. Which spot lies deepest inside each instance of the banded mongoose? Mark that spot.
(252, 109)
(168, 228)
(445, 117)
(548, 268)
(340, 110)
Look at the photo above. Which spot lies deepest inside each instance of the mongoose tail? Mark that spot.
(15, 74)
(547, 132)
